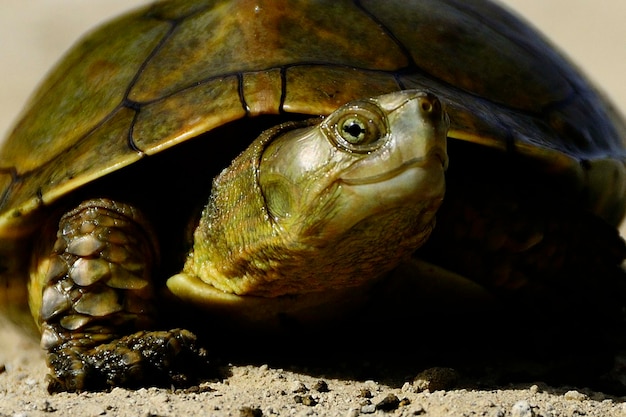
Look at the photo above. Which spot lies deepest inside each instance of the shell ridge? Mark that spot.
(151, 55)
(242, 96)
(388, 32)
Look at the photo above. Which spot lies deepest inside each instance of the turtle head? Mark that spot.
(331, 204)
(367, 160)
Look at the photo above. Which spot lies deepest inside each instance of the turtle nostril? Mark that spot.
(430, 105)
(427, 107)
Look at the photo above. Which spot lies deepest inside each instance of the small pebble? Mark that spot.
(30, 381)
(298, 387)
(365, 393)
(407, 387)
(371, 385)
(321, 386)
(305, 399)
(436, 379)
(575, 396)
(250, 412)
(389, 403)
(522, 409)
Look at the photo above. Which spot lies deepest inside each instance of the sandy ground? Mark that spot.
(33, 33)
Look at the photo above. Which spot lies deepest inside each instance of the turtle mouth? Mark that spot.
(435, 154)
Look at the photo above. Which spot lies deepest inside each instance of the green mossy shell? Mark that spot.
(174, 70)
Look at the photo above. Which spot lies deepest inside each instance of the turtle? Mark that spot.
(288, 162)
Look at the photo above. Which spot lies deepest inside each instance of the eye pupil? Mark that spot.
(354, 129)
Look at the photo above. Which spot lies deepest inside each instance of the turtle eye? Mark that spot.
(357, 130)
(357, 127)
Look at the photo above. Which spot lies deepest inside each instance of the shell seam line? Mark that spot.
(134, 105)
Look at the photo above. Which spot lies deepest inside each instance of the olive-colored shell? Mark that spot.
(169, 72)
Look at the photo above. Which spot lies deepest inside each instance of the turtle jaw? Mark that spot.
(414, 164)
(418, 183)
(405, 198)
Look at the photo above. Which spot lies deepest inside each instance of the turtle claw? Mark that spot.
(145, 358)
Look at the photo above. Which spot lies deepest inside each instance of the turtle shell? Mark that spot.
(176, 70)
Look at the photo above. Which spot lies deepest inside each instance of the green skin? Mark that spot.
(319, 198)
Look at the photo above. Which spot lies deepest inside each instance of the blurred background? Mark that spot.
(34, 33)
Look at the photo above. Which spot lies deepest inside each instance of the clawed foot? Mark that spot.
(145, 358)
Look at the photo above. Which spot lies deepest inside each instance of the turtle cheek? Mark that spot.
(278, 194)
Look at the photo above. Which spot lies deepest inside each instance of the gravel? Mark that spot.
(267, 391)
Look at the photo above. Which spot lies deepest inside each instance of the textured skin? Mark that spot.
(100, 267)
(166, 358)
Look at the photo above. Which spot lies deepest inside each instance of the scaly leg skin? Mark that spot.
(95, 293)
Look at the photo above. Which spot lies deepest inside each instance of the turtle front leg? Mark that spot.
(92, 293)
